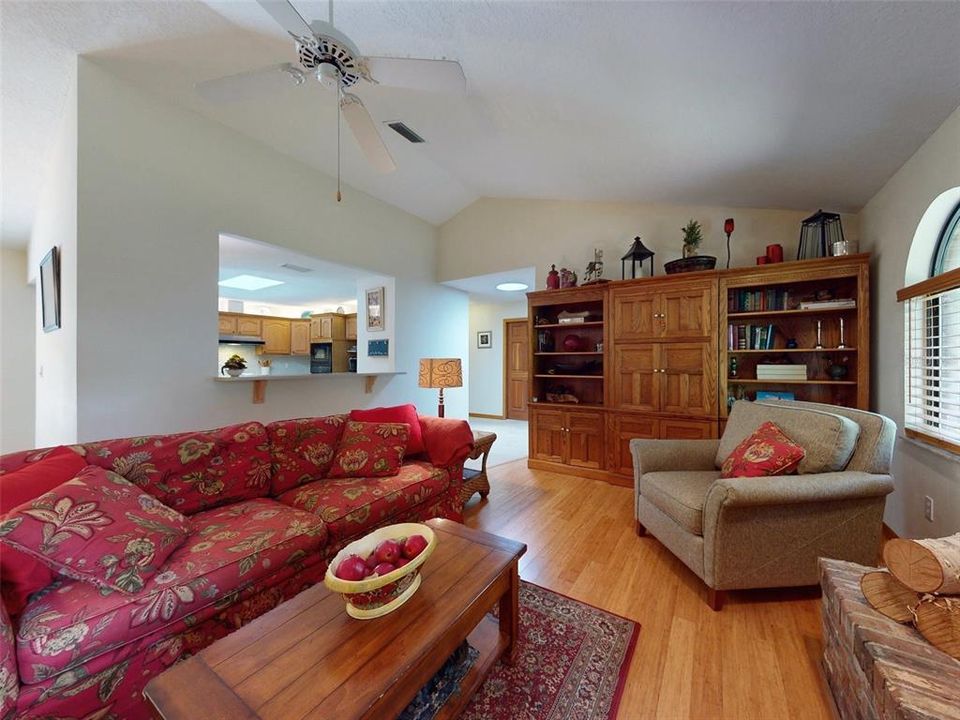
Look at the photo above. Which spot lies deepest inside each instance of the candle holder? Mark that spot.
(819, 345)
(842, 345)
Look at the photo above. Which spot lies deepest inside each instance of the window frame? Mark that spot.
(940, 249)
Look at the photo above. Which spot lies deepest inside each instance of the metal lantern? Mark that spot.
(818, 234)
(637, 253)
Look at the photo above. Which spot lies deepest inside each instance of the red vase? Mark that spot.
(775, 253)
(762, 260)
(571, 343)
(553, 278)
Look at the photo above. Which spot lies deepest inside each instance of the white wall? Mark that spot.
(888, 223)
(17, 353)
(55, 225)
(486, 365)
(157, 185)
(492, 235)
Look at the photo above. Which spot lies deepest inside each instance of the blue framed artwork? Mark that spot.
(378, 348)
(774, 395)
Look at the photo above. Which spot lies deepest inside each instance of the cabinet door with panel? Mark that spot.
(584, 430)
(351, 331)
(228, 324)
(682, 429)
(688, 312)
(276, 336)
(249, 326)
(622, 428)
(547, 435)
(688, 385)
(636, 315)
(300, 337)
(635, 378)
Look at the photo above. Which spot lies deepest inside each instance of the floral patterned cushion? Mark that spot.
(192, 471)
(302, 450)
(248, 544)
(766, 452)
(352, 506)
(9, 678)
(97, 527)
(370, 450)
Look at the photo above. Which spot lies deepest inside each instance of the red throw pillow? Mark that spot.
(396, 414)
(766, 452)
(370, 450)
(98, 528)
(20, 574)
(302, 450)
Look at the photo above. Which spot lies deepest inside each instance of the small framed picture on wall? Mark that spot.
(50, 290)
(485, 339)
(375, 309)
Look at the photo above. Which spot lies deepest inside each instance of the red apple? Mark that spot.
(384, 568)
(414, 545)
(401, 562)
(351, 568)
(371, 561)
(388, 551)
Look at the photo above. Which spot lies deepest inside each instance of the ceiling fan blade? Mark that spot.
(287, 16)
(365, 131)
(443, 76)
(250, 85)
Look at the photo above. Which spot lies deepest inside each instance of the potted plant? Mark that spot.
(692, 237)
(234, 366)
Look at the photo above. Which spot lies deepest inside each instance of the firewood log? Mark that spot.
(938, 620)
(927, 566)
(889, 596)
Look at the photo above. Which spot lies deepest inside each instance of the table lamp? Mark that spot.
(440, 373)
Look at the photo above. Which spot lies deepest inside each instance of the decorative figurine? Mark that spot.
(553, 278)
(545, 341)
(594, 271)
(568, 278)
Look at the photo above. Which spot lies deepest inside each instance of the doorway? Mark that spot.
(516, 368)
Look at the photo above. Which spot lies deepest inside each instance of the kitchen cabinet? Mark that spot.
(249, 325)
(568, 437)
(325, 327)
(351, 326)
(276, 336)
(683, 310)
(228, 324)
(300, 337)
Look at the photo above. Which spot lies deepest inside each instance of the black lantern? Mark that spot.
(637, 253)
(818, 233)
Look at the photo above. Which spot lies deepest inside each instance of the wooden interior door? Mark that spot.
(688, 381)
(688, 312)
(547, 435)
(636, 383)
(516, 368)
(636, 315)
(585, 439)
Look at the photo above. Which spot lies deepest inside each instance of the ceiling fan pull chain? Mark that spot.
(339, 112)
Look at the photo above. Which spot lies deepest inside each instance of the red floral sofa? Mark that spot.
(265, 521)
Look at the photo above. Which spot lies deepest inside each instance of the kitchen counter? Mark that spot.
(260, 381)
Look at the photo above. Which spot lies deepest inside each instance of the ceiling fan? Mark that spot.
(333, 59)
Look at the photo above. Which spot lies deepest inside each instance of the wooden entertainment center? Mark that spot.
(653, 357)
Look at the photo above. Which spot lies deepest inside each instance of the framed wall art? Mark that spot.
(50, 290)
(375, 310)
(485, 339)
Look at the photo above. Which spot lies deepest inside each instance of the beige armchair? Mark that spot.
(742, 533)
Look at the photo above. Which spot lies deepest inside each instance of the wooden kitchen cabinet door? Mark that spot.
(276, 336)
(636, 384)
(249, 326)
(585, 439)
(300, 337)
(688, 312)
(688, 385)
(622, 429)
(351, 331)
(228, 324)
(547, 435)
(636, 315)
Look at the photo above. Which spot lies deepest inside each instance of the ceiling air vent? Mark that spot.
(405, 132)
(296, 268)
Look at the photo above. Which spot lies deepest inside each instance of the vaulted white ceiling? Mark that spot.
(790, 105)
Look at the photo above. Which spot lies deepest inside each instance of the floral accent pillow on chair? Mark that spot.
(98, 528)
(766, 452)
(370, 450)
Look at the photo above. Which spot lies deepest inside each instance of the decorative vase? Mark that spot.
(232, 372)
(837, 371)
(553, 278)
(571, 343)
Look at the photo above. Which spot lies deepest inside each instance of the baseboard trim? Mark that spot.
(486, 416)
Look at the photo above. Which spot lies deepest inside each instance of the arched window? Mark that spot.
(932, 330)
(947, 254)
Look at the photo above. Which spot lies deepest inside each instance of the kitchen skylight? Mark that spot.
(249, 282)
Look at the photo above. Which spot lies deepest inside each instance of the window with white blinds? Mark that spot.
(932, 364)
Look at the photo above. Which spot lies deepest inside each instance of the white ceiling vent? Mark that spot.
(296, 268)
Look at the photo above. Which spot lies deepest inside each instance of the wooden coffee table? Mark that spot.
(308, 659)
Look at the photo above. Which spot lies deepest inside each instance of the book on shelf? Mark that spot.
(828, 304)
(751, 337)
(757, 300)
(781, 372)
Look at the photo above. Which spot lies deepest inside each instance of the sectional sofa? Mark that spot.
(264, 522)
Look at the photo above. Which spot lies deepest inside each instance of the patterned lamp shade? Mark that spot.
(441, 373)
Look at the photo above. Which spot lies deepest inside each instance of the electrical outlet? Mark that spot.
(928, 507)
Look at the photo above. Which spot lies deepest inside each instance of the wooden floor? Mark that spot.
(757, 658)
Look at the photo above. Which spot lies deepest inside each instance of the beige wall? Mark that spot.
(486, 365)
(492, 235)
(17, 352)
(888, 225)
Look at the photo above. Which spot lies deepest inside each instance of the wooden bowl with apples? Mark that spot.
(381, 571)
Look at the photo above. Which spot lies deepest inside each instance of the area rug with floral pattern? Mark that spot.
(572, 662)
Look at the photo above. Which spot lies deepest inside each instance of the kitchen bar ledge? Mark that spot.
(260, 381)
